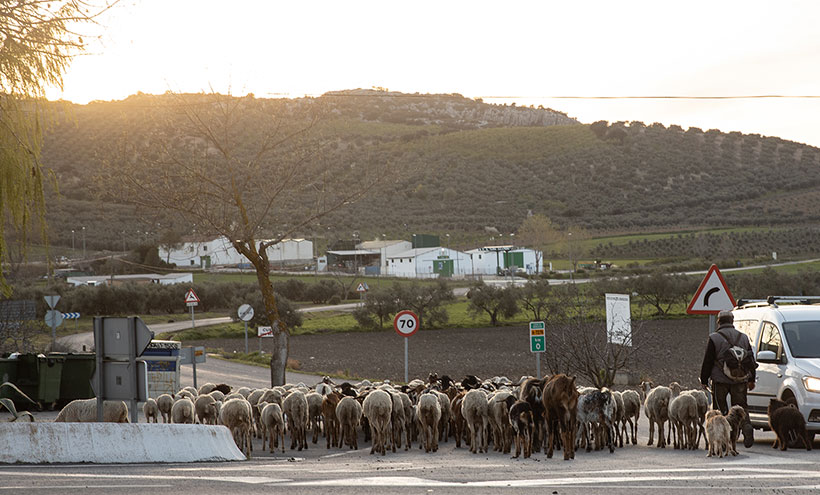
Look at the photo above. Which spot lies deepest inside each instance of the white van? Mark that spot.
(785, 334)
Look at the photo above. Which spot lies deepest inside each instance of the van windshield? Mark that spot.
(803, 338)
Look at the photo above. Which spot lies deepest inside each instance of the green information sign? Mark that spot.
(538, 337)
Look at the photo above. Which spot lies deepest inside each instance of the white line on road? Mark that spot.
(29, 488)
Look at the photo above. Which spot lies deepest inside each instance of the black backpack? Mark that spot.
(736, 362)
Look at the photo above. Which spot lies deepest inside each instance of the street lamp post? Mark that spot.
(72, 244)
(569, 250)
(83, 242)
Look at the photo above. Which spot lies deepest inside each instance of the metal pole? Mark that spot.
(246, 337)
(406, 374)
(538, 365)
(99, 346)
(712, 324)
(193, 362)
(53, 334)
(132, 360)
(260, 344)
(193, 323)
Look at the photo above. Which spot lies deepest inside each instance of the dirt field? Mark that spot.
(668, 350)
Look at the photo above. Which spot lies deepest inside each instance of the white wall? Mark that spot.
(418, 263)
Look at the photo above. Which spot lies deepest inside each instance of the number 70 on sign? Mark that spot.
(538, 338)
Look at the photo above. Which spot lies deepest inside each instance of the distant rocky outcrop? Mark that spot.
(452, 110)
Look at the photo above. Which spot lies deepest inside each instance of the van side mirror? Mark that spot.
(767, 357)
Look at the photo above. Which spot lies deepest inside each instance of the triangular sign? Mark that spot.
(191, 297)
(713, 295)
(361, 287)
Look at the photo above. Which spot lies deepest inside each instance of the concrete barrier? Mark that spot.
(115, 443)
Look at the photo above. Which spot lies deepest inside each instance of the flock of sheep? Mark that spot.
(531, 414)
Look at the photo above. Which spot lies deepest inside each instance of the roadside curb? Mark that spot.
(114, 443)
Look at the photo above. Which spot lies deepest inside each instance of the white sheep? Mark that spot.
(183, 411)
(428, 412)
(632, 413)
(165, 402)
(444, 422)
(191, 390)
(217, 395)
(475, 410)
(314, 401)
(618, 419)
(205, 409)
(703, 407)
(295, 407)
(85, 411)
(349, 413)
(378, 409)
(273, 425)
(683, 416)
(150, 410)
(244, 392)
(236, 415)
(206, 389)
(656, 408)
(499, 419)
(398, 422)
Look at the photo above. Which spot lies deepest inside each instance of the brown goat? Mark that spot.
(329, 403)
(560, 398)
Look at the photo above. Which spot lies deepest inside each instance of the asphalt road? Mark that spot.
(634, 469)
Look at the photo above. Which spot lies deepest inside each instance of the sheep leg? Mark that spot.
(651, 432)
(661, 439)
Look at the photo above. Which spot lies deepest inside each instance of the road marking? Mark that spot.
(254, 480)
(339, 454)
(29, 488)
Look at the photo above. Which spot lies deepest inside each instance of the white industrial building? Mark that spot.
(489, 260)
(386, 249)
(208, 252)
(430, 262)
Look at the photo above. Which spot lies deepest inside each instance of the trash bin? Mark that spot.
(8, 370)
(39, 376)
(75, 381)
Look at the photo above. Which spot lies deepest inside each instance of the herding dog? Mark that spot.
(522, 425)
(784, 419)
(717, 432)
(736, 417)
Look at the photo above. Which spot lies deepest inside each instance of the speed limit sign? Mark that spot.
(406, 323)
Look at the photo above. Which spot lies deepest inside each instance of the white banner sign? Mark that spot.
(618, 319)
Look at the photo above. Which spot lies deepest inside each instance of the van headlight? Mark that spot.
(811, 383)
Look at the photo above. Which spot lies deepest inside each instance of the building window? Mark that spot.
(192, 262)
(205, 247)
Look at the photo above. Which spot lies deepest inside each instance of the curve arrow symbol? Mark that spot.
(709, 294)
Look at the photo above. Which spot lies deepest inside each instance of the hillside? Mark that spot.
(468, 165)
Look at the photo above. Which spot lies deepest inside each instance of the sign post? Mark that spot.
(263, 332)
(192, 355)
(712, 297)
(538, 343)
(53, 317)
(245, 313)
(191, 299)
(618, 319)
(362, 289)
(406, 323)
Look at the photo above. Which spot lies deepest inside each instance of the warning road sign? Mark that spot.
(191, 299)
(362, 287)
(713, 295)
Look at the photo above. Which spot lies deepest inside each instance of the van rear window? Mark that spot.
(803, 338)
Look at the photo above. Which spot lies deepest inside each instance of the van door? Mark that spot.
(770, 373)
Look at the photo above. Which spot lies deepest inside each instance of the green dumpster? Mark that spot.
(8, 370)
(75, 382)
(38, 376)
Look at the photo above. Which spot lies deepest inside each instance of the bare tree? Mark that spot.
(580, 344)
(538, 232)
(253, 171)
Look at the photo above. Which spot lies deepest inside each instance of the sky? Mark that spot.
(512, 51)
